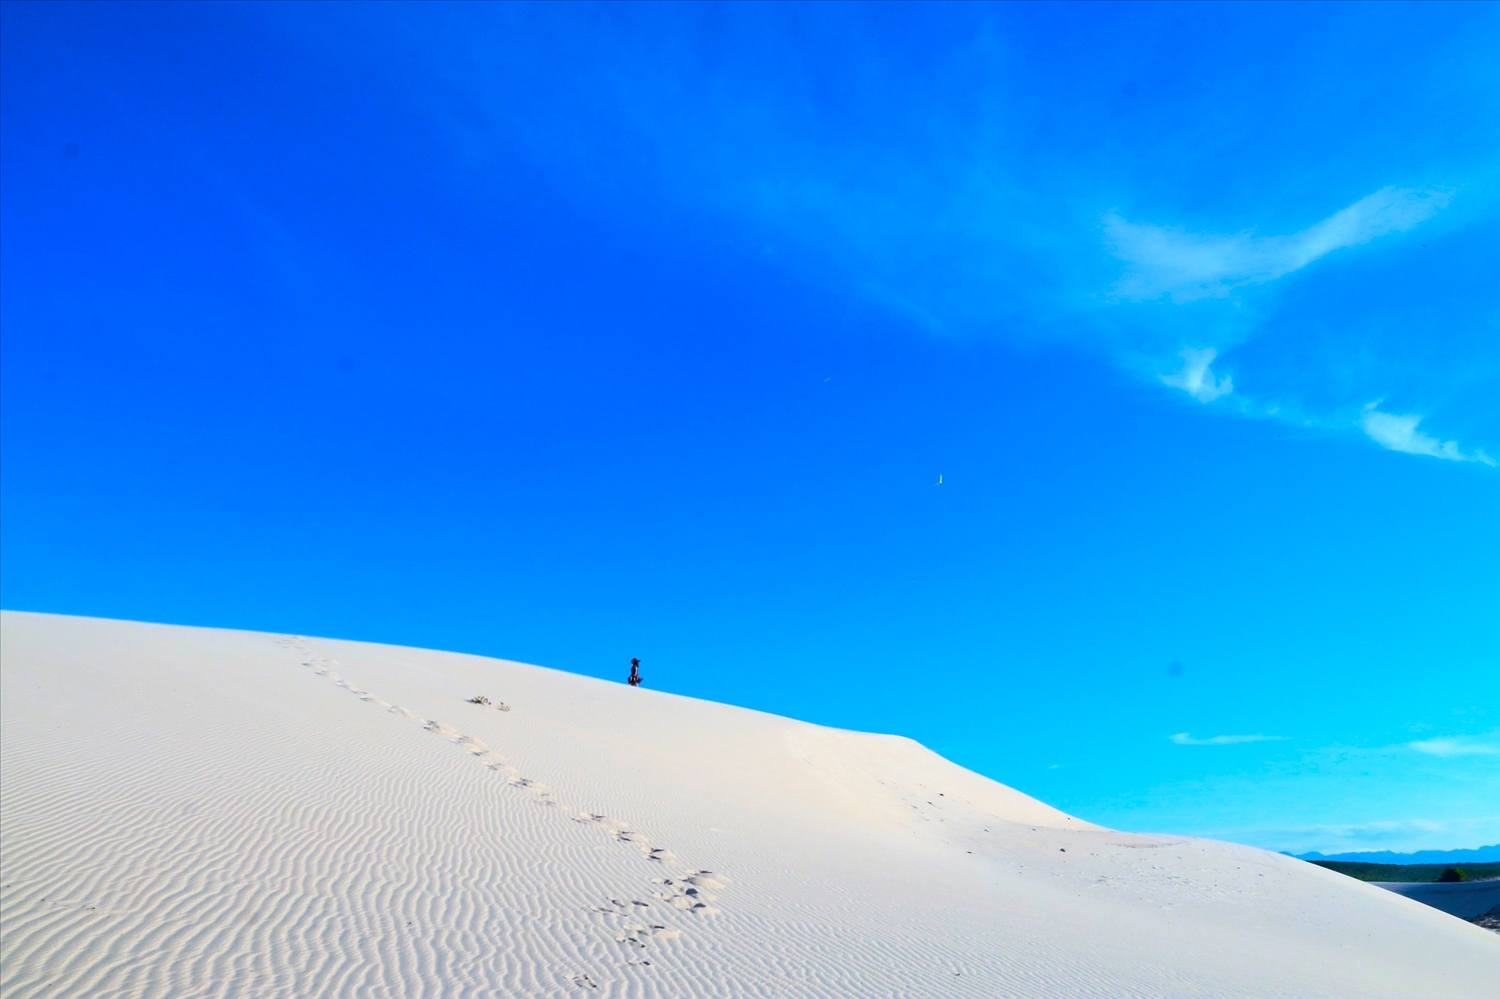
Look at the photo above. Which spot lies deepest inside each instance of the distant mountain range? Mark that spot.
(1481, 855)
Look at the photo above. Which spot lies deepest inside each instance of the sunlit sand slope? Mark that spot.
(189, 812)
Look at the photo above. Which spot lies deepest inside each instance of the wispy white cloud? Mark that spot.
(1196, 377)
(1184, 739)
(1400, 433)
(1458, 746)
(1165, 260)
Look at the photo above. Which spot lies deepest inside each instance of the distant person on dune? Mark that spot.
(635, 673)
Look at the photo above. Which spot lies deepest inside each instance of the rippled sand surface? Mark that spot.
(193, 812)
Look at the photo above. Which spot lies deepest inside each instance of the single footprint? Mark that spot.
(622, 906)
(529, 784)
(582, 981)
(469, 744)
(638, 934)
(696, 908)
(363, 695)
(689, 893)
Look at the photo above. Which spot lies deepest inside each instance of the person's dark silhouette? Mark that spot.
(635, 673)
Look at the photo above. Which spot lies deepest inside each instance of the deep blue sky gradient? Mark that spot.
(569, 333)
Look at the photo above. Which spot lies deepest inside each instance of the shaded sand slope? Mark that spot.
(191, 812)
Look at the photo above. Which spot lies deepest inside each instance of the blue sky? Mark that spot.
(573, 333)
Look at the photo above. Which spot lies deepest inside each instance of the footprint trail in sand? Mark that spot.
(688, 892)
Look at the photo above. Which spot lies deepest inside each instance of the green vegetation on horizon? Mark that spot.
(1408, 872)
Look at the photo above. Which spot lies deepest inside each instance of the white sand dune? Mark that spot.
(191, 812)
